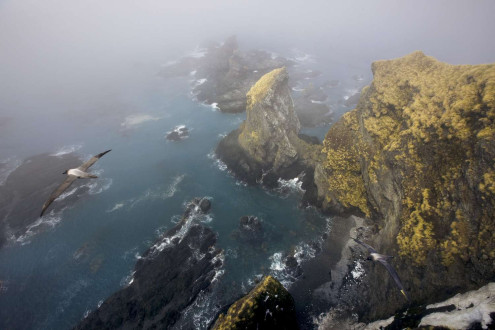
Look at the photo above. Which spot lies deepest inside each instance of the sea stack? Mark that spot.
(267, 146)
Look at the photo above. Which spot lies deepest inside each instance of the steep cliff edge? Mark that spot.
(417, 156)
(267, 145)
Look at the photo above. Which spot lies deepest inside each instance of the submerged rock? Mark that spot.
(250, 229)
(166, 279)
(267, 306)
(417, 157)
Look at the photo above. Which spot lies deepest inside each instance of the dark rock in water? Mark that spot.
(166, 280)
(267, 306)
(250, 229)
(250, 223)
(205, 205)
(180, 132)
(21, 199)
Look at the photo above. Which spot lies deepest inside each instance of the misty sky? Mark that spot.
(54, 46)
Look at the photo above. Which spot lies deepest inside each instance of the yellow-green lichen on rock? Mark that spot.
(267, 306)
(270, 132)
(428, 127)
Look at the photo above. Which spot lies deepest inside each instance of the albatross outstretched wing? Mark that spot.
(394, 275)
(68, 181)
(370, 249)
(84, 167)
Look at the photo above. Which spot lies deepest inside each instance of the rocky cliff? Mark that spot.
(417, 157)
(267, 146)
(267, 306)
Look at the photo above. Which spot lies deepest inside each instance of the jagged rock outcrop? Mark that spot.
(470, 310)
(166, 280)
(417, 156)
(267, 306)
(267, 145)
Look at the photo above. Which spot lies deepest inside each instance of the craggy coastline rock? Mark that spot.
(417, 157)
(267, 306)
(166, 279)
(267, 146)
(470, 310)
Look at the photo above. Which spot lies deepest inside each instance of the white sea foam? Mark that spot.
(317, 102)
(127, 280)
(47, 221)
(302, 57)
(116, 207)
(66, 194)
(302, 253)
(192, 73)
(358, 270)
(9, 165)
(200, 82)
(214, 106)
(198, 52)
(218, 163)
(296, 89)
(67, 150)
(285, 187)
(137, 119)
(158, 193)
(350, 92)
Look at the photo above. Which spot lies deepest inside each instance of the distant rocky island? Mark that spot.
(224, 74)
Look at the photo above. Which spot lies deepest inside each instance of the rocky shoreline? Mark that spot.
(184, 258)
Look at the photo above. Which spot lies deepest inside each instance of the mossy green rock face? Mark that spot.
(417, 156)
(271, 124)
(267, 306)
(267, 144)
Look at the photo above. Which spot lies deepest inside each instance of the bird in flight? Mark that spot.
(72, 175)
(383, 259)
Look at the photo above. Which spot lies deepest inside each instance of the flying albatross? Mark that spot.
(375, 256)
(72, 175)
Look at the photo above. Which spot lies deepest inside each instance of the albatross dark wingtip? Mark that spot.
(103, 153)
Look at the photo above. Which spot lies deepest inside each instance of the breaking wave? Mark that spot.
(8, 166)
(67, 150)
